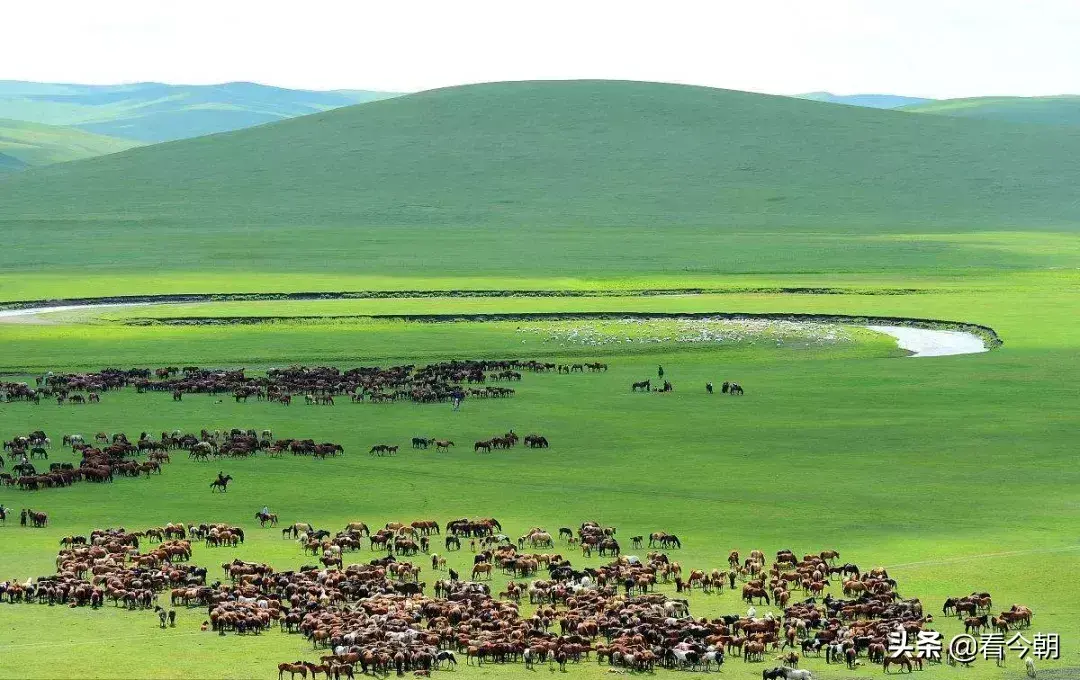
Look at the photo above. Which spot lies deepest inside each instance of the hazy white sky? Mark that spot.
(934, 48)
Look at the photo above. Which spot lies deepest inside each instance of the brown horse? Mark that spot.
(482, 568)
(293, 669)
(829, 555)
(903, 661)
(976, 623)
(754, 651)
(443, 444)
(484, 446)
(38, 519)
(263, 518)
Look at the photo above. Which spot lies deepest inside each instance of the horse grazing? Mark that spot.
(221, 483)
(644, 386)
(903, 661)
(536, 441)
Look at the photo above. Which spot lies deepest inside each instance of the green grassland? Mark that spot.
(35, 144)
(568, 199)
(952, 472)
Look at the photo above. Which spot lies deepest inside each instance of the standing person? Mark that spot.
(22, 517)
(660, 372)
(708, 387)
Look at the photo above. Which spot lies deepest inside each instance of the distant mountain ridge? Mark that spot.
(872, 101)
(158, 112)
(1055, 110)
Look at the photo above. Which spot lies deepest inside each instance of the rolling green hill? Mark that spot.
(34, 144)
(156, 112)
(1063, 110)
(586, 178)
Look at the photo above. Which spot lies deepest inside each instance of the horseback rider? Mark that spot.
(265, 512)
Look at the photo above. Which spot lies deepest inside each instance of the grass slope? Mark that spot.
(157, 112)
(35, 144)
(555, 179)
(1062, 110)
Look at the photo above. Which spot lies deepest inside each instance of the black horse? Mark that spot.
(670, 541)
(221, 483)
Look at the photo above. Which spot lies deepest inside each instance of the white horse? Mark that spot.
(532, 656)
(716, 657)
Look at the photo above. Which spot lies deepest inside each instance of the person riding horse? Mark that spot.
(222, 482)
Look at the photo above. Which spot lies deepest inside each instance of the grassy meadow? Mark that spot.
(956, 473)
(948, 471)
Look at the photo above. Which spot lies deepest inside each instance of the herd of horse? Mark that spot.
(509, 441)
(108, 458)
(440, 382)
(375, 616)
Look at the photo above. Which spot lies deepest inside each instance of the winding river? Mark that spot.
(921, 342)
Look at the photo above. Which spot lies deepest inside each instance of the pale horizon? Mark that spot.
(937, 49)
